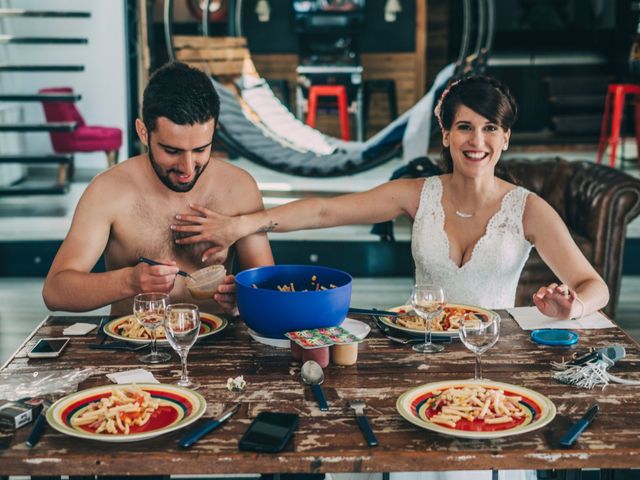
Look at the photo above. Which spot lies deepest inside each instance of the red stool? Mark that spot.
(338, 91)
(617, 91)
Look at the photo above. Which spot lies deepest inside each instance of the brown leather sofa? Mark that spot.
(595, 202)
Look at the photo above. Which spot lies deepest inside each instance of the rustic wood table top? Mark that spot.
(331, 441)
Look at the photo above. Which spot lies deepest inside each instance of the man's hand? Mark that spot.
(558, 301)
(209, 227)
(226, 295)
(156, 278)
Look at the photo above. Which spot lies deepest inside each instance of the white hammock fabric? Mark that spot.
(277, 118)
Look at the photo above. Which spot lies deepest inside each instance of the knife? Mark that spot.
(372, 312)
(577, 428)
(101, 336)
(38, 426)
(148, 261)
(118, 345)
(196, 434)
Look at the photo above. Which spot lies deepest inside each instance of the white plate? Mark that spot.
(356, 327)
(273, 342)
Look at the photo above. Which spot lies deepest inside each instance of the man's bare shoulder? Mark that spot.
(117, 183)
(226, 171)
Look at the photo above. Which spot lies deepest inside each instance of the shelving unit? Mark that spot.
(27, 186)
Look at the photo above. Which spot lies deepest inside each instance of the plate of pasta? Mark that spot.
(481, 409)
(126, 413)
(129, 329)
(445, 324)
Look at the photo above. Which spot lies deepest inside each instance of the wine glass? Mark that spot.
(149, 309)
(182, 325)
(479, 333)
(428, 302)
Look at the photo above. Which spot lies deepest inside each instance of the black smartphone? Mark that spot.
(269, 432)
(48, 347)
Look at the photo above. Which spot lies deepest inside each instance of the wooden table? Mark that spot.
(331, 441)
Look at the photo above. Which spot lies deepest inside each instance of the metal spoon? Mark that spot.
(311, 373)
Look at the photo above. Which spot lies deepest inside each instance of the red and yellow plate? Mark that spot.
(178, 408)
(210, 325)
(534, 410)
(412, 325)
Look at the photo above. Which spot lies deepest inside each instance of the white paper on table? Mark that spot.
(530, 318)
(137, 375)
(79, 329)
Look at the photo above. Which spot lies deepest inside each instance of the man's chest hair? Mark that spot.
(146, 230)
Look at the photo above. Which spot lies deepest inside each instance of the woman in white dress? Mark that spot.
(472, 231)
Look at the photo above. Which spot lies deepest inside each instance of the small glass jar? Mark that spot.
(346, 354)
(296, 351)
(320, 355)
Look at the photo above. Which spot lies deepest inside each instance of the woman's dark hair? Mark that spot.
(180, 93)
(484, 95)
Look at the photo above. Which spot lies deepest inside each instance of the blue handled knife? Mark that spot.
(577, 428)
(194, 435)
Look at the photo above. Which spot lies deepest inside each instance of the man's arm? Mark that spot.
(71, 286)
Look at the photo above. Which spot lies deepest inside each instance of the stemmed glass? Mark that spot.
(479, 333)
(149, 309)
(428, 302)
(182, 325)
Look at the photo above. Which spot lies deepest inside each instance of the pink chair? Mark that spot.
(84, 138)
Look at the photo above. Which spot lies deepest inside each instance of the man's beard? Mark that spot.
(164, 177)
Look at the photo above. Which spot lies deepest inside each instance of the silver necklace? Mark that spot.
(464, 215)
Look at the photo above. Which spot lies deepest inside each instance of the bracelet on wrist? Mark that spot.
(581, 303)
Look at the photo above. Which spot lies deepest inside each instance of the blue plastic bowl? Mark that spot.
(272, 313)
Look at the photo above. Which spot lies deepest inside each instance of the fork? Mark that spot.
(363, 421)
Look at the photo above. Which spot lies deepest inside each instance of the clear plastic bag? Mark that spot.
(50, 382)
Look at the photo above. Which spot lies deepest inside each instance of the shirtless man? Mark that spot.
(126, 211)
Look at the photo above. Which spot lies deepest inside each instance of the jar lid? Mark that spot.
(550, 336)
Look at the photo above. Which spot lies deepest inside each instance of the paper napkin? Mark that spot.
(530, 318)
(79, 329)
(137, 375)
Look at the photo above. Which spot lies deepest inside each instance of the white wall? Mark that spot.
(103, 83)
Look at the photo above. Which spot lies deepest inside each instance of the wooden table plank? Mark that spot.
(331, 441)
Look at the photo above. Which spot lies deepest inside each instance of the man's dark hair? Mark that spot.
(180, 93)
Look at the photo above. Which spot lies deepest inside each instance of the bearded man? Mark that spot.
(126, 211)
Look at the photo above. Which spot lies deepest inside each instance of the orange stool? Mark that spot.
(617, 92)
(338, 91)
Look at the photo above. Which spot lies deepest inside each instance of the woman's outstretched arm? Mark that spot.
(379, 204)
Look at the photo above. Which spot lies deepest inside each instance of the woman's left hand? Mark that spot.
(557, 301)
(226, 295)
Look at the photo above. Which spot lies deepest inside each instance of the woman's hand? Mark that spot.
(209, 226)
(558, 301)
(226, 295)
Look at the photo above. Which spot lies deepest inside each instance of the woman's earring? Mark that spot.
(504, 147)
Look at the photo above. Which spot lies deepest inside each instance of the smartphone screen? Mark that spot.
(269, 432)
(49, 346)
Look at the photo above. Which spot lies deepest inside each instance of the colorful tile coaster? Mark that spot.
(322, 337)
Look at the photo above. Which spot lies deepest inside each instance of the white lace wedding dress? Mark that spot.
(490, 277)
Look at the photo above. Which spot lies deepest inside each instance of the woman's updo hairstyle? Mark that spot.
(484, 95)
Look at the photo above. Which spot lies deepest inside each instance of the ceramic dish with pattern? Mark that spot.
(443, 325)
(117, 328)
(177, 408)
(428, 406)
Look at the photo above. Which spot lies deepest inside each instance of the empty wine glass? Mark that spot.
(182, 325)
(428, 302)
(479, 333)
(149, 309)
